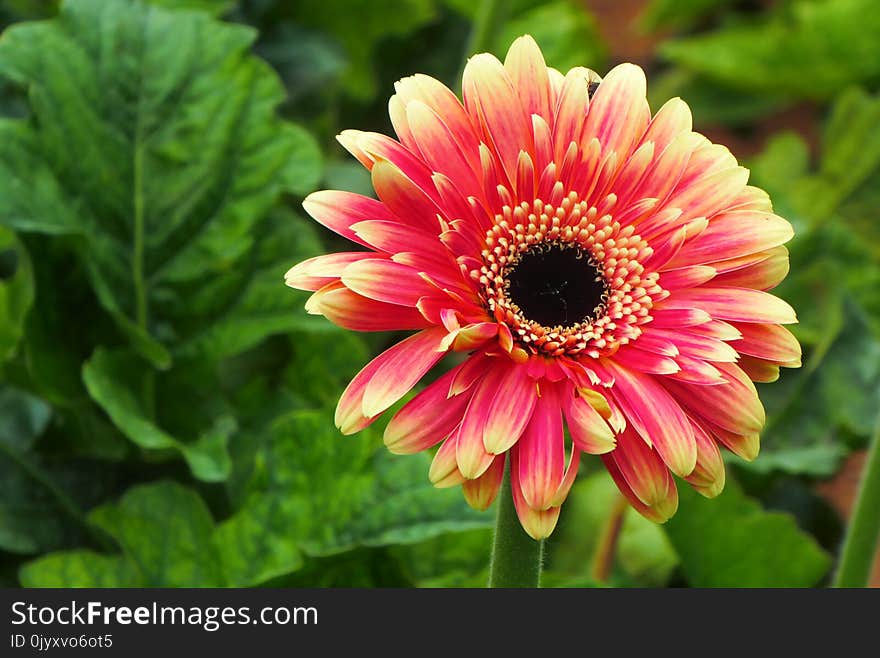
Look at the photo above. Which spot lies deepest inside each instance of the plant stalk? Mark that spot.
(517, 559)
(860, 546)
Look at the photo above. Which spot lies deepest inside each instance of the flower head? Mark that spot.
(594, 268)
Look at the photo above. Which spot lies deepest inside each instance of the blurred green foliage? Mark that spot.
(166, 404)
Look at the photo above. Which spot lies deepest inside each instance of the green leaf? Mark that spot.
(40, 497)
(263, 306)
(458, 559)
(118, 382)
(16, 291)
(850, 145)
(81, 568)
(258, 545)
(325, 494)
(810, 49)
(360, 28)
(154, 138)
(165, 530)
(165, 533)
(731, 541)
(328, 361)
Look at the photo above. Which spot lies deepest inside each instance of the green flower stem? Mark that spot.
(860, 547)
(516, 558)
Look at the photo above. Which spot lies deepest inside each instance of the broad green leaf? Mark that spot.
(81, 568)
(53, 353)
(326, 361)
(263, 305)
(119, 381)
(360, 27)
(850, 158)
(450, 560)
(318, 368)
(731, 541)
(644, 555)
(833, 208)
(16, 291)
(330, 493)
(164, 531)
(41, 498)
(23, 418)
(258, 545)
(808, 49)
(153, 137)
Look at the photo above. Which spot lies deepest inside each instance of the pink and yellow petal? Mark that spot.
(427, 419)
(589, 430)
(386, 281)
(339, 210)
(444, 471)
(481, 492)
(387, 378)
(349, 310)
(541, 452)
(656, 416)
(527, 70)
(492, 102)
(538, 524)
(659, 512)
(643, 471)
(619, 112)
(315, 273)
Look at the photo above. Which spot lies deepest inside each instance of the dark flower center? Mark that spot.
(557, 285)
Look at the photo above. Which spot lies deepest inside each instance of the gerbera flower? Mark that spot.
(593, 267)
